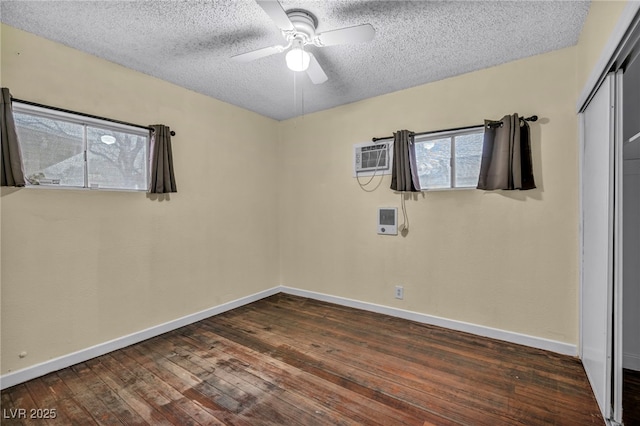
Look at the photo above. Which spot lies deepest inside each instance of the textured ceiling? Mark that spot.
(190, 43)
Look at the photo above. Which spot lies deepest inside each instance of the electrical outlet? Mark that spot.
(399, 292)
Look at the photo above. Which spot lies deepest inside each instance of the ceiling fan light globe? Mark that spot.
(297, 59)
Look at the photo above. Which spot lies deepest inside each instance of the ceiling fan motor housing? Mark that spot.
(305, 25)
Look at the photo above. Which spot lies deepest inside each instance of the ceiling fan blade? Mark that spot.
(357, 34)
(257, 54)
(276, 13)
(315, 71)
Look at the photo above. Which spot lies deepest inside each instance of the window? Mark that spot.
(68, 150)
(449, 159)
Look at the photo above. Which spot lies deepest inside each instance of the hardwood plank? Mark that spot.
(47, 401)
(214, 396)
(73, 409)
(328, 394)
(234, 358)
(108, 396)
(287, 360)
(250, 392)
(100, 413)
(398, 333)
(515, 354)
(412, 368)
(33, 413)
(367, 385)
(168, 383)
(9, 416)
(482, 392)
(390, 369)
(143, 409)
(144, 385)
(296, 325)
(232, 397)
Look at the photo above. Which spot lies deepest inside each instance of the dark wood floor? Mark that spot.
(287, 360)
(631, 398)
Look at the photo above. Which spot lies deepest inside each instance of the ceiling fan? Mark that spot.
(298, 28)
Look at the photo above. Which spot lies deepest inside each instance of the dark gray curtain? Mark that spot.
(11, 161)
(506, 155)
(404, 173)
(162, 179)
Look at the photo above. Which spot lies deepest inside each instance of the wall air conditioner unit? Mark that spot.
(371, 158)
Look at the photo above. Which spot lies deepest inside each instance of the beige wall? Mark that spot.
(500, 259)
(81, 267)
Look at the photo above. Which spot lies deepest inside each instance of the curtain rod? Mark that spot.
(68, 111)
(455, 129)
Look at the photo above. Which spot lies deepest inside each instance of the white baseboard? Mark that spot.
(631, 361)
(494, 333)
(20, 376)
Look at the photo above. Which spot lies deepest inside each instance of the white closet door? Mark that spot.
(597, 242)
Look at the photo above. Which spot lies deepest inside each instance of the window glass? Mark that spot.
(52, 150)
(70, 150)
(434, 163)
(467, 158)
(116, 159)
(449, 159)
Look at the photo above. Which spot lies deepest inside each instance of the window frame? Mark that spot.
(451, 135)
(86, 121)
